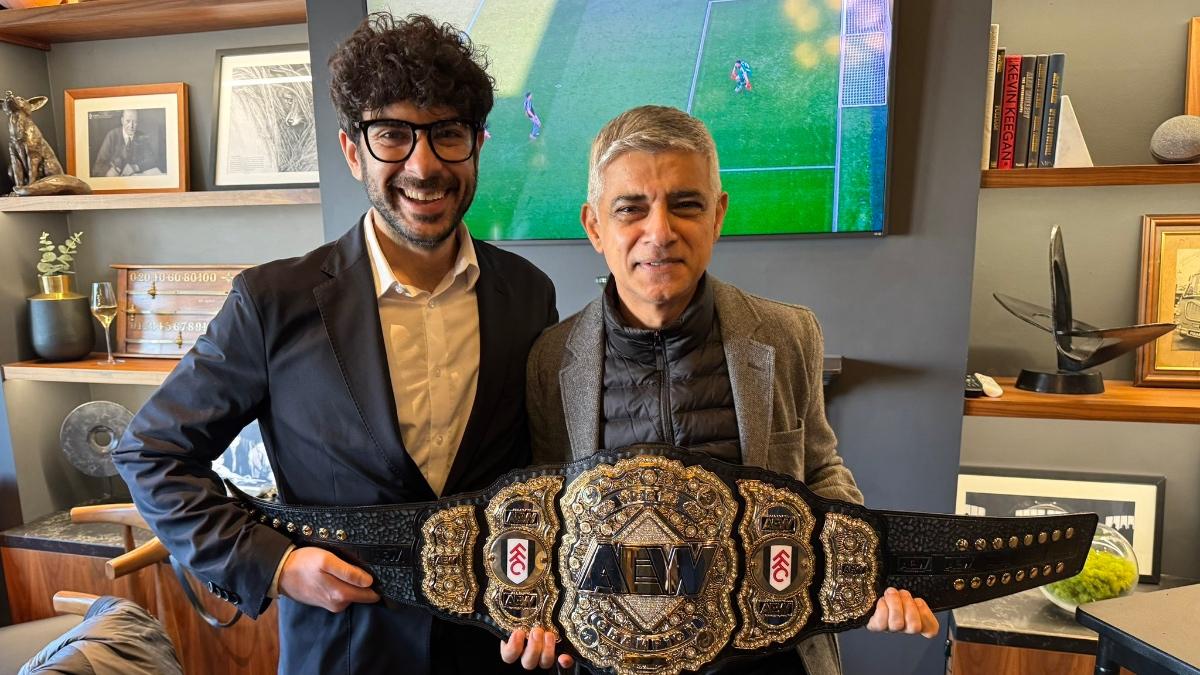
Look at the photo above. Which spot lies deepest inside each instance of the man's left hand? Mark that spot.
(899, 612)
(536, 652)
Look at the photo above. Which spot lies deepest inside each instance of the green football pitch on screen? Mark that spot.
(795, 93)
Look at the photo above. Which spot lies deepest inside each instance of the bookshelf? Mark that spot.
(41, 27)
(1091, 176)
(1120, 402)
(162, 200)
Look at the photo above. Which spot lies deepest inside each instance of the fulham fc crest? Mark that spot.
(517, 559)
(779, 565)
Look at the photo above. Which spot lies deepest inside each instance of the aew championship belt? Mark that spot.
(653, 559)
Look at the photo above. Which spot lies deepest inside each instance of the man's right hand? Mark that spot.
(319, 578)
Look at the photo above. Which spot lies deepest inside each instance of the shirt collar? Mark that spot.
(466, 264)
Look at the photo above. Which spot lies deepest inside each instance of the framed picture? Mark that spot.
(265, 132)
(1131, 504)
(1170, 292)
(1192, 91)
(129, 139)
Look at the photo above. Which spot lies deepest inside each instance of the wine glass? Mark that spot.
(104, 308)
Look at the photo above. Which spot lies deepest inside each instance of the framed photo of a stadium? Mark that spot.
(265, 133)
(796, 94)
(1133, 505)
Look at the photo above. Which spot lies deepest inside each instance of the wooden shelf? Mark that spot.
(154, 371)
(1133, 174)
(162, 200)
(133, 371)
(41, 27)
(1120, 402)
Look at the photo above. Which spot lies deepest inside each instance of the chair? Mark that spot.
(20, 642)
(205, 643)
(115, 637)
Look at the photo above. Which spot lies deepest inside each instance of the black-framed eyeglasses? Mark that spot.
(393, 141)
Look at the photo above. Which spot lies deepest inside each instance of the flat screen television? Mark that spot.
(795, 92)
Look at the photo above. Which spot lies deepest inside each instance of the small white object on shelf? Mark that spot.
(1072, 150)
(990, 388)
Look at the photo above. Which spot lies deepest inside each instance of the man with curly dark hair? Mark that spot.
(385, 367)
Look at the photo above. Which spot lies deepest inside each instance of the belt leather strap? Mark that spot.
(653, 559)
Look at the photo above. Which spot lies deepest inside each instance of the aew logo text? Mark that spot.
(678, 570)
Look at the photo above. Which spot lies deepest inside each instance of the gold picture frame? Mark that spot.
(131, 138)
(1192, 85)
(1170, 292)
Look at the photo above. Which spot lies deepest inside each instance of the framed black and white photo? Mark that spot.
(1133, 505)
(129, 139)
(265, 132)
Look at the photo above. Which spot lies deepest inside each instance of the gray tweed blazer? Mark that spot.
(775, 354)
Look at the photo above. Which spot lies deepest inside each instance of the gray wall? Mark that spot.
(342, 197)
(24, 72)
(896, 307)
(1125, 74)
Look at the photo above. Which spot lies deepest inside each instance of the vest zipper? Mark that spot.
(664, 385)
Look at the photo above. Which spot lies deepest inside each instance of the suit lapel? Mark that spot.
(350, 312)
(751, 371)
(495, 304)
(581, 379)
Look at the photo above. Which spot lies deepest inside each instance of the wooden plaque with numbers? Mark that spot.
(163, 309)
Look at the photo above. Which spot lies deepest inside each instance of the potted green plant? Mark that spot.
(59, 318)
(1110, 571)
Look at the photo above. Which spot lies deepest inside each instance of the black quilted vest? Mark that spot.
(670, 385)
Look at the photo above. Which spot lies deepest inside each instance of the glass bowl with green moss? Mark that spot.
(1111, 571)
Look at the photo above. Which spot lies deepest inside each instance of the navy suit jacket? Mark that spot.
(297, 346)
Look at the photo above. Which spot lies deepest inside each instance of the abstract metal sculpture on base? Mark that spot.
(1079, 346)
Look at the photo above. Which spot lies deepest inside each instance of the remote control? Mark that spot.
(974, 389)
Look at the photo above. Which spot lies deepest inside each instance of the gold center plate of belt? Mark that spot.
(647, 561)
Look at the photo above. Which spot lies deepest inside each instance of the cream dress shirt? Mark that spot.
(432, 344)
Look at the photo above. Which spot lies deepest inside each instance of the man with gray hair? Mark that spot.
(669, 354)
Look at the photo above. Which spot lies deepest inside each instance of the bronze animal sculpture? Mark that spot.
(34, 169)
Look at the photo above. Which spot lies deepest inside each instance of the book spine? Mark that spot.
(989, 92)
(1036, 117)
(1008, 111)
(997, 103)
(1051, 108)
(1025, 107)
